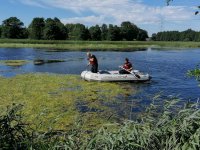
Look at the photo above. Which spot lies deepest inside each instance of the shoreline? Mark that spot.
(95, 45)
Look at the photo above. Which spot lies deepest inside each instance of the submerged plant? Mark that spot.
(54, 101)
(194, 73)
(14, 63)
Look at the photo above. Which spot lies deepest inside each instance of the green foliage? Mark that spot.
(57, 100)
(36, 28)
(78, 32)
(95, 33)
(188, 35)
(13, 131)
(95, 45)
(169, 129)
(13, 28)
(194, 73)
(104, 32)
(168, 126)
(54, 30)
(114, 33)
(129, 31)
(142, 35)
(14, 62)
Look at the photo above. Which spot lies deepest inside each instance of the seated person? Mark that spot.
(127, 67)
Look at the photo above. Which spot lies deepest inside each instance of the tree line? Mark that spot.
(54, 29)
(187, 35)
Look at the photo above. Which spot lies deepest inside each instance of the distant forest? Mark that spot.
(188, 35)
(54, 29)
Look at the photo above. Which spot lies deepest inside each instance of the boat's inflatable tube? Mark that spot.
(111, 76)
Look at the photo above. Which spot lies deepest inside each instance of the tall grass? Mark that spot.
(165, 130)
(95, 45)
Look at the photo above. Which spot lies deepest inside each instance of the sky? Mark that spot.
(151, 15)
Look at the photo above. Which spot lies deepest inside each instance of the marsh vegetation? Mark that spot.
(95, 45)
(56, 101)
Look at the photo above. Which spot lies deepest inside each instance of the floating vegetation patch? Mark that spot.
(41, 61)
(54, 101)
(14, 62)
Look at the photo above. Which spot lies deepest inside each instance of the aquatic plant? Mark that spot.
(55, 101)
(14, 63)
(41, 61)
(178, 130)
(194, 73)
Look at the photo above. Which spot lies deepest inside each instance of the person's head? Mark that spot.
(126, 60)
(89, 54)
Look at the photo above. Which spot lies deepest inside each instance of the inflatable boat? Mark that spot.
(114, 76)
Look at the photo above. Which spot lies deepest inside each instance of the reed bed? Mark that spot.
(158, 128)
(95, 45)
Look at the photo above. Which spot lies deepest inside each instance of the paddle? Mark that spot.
(133, 73)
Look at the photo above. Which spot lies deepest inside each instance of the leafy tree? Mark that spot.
(142, 35)
(70, 28)
(129, 31)
(153, 37)
(188, 35)
(13, 28)
(78, 32)
(114, 33)
(36, 28)
(95, 33)
(104, 32)
(62, 28)
(24, 33)
(54, 30)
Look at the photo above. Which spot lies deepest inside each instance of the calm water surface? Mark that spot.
(167, 67)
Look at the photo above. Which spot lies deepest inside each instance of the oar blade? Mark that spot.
(137, 75)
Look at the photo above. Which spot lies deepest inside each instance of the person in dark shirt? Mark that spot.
(127, 67)
(93, 62)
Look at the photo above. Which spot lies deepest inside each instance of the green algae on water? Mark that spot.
(14, 62)
(57, 101)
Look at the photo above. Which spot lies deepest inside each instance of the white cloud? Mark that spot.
(36, 3)
(85, 20)
(112, 11)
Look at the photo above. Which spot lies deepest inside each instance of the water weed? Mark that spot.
(57, 100)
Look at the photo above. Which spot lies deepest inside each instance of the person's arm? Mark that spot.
(91, 59)
(130, 67)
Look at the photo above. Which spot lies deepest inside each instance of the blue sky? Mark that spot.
(150, 15)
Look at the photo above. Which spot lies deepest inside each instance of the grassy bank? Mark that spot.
(95, 45)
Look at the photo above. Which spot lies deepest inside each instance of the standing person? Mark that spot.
(93, 62)
(127, 67)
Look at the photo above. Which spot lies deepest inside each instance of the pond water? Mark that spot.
(167, 67)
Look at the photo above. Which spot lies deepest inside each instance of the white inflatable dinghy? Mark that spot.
(111, 76)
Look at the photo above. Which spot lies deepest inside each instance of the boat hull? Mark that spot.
(114, 76)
